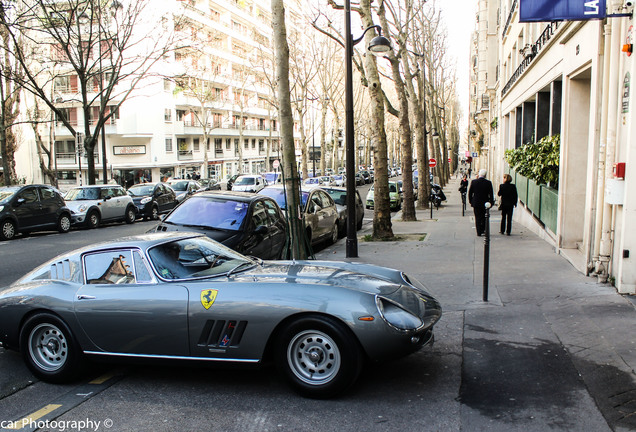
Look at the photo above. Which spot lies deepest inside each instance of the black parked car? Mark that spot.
(153, 199)
(246, 222)
(209, 184)
(32, 208)
(231, 181)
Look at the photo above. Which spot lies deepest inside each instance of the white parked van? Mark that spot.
(249, 183)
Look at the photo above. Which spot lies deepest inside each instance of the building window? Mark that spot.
(166, 84)
(253, 143)
(228, 144)
(195, 144)
(246, 144)
(168, 144)
(261, 145)
(167, 115)
(180, 115)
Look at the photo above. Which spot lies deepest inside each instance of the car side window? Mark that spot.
(109, 267)
(272, 211)
(47, 193)
(326, 199)
(141, 269)
(29, 195)
(259, 215)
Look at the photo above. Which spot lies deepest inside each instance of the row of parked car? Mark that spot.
(251, 223)
(26, 208)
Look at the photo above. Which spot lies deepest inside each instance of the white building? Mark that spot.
(159, 131)
(571, 78)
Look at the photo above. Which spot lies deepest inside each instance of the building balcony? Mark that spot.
(185, 155)
(71, 159)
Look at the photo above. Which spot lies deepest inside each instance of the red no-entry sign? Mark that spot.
(432, 163)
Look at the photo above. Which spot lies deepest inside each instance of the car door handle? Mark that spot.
(86, 297)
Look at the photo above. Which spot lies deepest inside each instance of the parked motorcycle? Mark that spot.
(437, 195)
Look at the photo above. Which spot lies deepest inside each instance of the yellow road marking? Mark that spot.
(102, 379)
(19, 424)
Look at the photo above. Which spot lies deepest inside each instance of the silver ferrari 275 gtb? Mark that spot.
(183, 296)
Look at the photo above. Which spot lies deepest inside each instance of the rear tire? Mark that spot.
(49, 349)
(64, 223)
(131, 215)
(8, 230)
(318, 356)
(334, 234)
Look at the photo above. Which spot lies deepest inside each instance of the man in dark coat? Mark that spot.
(479, 193)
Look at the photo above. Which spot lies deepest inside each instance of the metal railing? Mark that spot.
(512, 10)
(540, 43)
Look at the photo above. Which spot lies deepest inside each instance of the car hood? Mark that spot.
(136, 199)
(359, 277)
(76, 204)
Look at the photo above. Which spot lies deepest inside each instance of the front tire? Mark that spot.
(49, 349)
(8, 230)
(154, 215)
(92, 220)
(64, 223)
(318, 356)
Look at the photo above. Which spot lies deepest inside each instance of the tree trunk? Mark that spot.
(290, 172)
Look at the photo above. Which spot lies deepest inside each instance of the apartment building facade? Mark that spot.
(206, 109)
(573, 79)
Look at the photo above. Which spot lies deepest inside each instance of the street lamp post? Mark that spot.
(378, 45)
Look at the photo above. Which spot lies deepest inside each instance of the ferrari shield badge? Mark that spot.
(207, 297)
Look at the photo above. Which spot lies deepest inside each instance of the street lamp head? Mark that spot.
(379, 45)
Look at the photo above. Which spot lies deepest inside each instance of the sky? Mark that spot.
(459, 17)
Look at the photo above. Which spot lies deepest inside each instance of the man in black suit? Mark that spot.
(479, 193)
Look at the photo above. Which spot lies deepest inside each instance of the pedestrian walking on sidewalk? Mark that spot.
(508, 194)
(479, 193)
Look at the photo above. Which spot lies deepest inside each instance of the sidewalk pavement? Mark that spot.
(551, 349)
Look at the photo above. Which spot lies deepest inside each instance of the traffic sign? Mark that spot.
(276, 164)
(449, 160)
(432, 163)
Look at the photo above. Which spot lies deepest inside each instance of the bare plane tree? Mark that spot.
(101, 50)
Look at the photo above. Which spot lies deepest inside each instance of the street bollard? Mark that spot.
(486, 251)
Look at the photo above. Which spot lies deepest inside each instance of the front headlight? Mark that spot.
(145, 200)
(82, 208)
(396, 316)
(1, 208)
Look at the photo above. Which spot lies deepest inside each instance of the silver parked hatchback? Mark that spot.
(94, 204)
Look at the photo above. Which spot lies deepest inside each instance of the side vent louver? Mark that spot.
(222, 334)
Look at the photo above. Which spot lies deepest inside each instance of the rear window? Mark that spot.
(209, 212)
(245, 181)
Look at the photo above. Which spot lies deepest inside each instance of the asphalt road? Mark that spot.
(127, 397)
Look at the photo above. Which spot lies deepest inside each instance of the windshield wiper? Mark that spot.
(237, 267)
(199, 226)
(257, 259)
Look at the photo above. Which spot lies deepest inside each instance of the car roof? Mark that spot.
(96, 186)
(303, 188)
(235, 195)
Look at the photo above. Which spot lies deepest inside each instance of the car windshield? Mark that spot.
(194, 258)
(337, 177)
(141, 190)
(245, 181)
(278, 194)
(7, 192)
(209, 212)
(179, 186)
(82, 194)
(392, 187)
